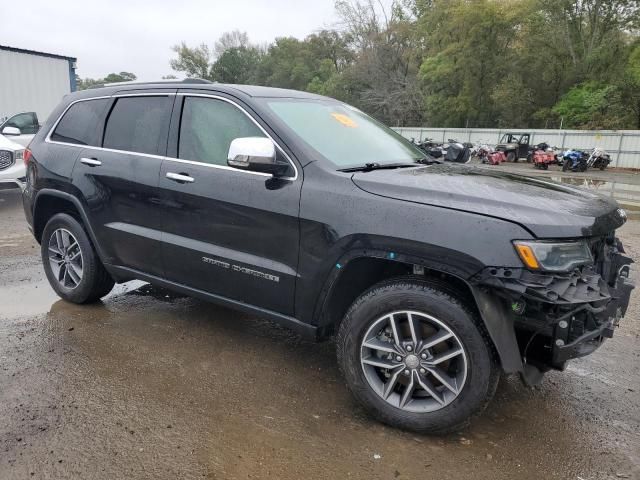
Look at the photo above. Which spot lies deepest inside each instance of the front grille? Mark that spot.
(6, 159)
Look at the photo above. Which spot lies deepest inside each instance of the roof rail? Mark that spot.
(134, 82)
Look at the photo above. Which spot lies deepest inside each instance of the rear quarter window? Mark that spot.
(80, 125)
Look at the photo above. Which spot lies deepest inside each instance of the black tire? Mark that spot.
(545, 166)
(418, 295)
(512, 157)
(565, 165)
(95, 281)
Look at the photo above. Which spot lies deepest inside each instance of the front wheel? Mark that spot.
(70, 261)
(511, 157)
(416, 357)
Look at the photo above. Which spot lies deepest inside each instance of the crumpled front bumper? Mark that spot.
(560, 316)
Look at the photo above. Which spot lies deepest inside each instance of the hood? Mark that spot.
(547, 209)
(6, 144)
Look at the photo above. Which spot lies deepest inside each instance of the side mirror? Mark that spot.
(256, 154)
(11, 131)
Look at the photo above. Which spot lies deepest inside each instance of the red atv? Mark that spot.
(488, 155)
(541, 156)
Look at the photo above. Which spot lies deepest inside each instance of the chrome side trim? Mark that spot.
(221, 167)
(193, 162)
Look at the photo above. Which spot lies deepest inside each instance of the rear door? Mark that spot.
(119, 180)
(228, 232)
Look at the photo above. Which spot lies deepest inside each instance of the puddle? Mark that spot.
(34, 298)
(627, 194)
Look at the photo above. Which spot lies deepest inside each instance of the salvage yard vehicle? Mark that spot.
(305, 210)
(541, 156)
(21, 127)
(514, 145)
(12, 168)
(598, 158)
(574, 160)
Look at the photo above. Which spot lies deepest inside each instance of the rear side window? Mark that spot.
(81, 124)
(137, 124)
(207, 128)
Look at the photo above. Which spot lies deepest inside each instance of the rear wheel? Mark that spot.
(70, 262)
(416, 357)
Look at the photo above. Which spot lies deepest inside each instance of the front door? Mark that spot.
(228, 232)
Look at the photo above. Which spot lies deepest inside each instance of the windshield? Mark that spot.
(342, 134)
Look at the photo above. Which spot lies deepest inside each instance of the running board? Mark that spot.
(308, 332)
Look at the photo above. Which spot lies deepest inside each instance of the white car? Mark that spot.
(12, 167)
(21, 127)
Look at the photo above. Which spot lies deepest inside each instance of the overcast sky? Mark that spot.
(137, 35)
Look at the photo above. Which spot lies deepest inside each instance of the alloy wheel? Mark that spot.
(413, 361)
(65, 258)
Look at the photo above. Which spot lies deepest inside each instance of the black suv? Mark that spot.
(434, 278)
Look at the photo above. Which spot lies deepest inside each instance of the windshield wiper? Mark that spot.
(367, 167)
(429, 160)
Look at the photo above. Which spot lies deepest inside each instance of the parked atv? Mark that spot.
(514, 145)
(488, 155)
(541, 158)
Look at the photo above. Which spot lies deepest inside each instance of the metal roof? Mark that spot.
(34, 52)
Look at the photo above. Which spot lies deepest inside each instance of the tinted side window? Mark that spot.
(137, 124)
(81, 123)
(207, 128)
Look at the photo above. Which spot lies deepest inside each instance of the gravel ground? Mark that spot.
(148, 384)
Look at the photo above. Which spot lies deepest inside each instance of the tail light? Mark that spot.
(26, 156)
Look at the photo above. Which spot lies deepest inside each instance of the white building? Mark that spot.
(33, 81)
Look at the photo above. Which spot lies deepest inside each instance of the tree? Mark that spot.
(454, 63)
(590, 105)
(85, 83)
(120, 77)
(236, 65)
(228, 40)
(194, 62)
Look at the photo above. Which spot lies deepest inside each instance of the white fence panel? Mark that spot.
(622, 145)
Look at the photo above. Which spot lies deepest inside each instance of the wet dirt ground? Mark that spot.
(151, 385)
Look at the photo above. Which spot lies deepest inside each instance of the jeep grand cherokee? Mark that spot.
(433, 278)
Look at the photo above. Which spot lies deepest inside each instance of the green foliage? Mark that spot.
(454, 63)
(84, 83)
(588, 105)
(236, 65)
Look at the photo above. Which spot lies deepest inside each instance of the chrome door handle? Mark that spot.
(92, 162)
(180, 177)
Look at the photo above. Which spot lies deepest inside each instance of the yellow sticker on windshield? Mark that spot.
(343, 119)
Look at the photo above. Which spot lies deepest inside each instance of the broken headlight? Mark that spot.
(553, 256)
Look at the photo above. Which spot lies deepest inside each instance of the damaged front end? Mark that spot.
(557, 316)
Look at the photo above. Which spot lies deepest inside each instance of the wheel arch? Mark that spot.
(50, 202)
(355, 275)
